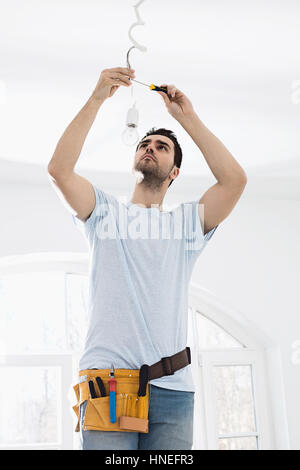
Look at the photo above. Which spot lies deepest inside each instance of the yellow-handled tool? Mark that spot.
(152, 87)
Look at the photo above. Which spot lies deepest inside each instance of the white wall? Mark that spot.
(251, 263)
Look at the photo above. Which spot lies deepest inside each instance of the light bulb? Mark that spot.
(130, 135)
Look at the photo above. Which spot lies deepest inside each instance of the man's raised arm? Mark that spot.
(73, 189)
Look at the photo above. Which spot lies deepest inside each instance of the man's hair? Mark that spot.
(172, 136)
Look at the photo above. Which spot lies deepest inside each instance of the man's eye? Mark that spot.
(143, 145)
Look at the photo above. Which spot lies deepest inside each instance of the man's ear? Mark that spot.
(176, 171)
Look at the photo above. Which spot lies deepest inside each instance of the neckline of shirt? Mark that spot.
(145, 209)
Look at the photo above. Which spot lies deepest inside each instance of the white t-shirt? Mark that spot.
(140, 267)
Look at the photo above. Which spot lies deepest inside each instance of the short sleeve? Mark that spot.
(195, 240)
(101, 205)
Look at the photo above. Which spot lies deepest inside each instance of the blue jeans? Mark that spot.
(171, 416)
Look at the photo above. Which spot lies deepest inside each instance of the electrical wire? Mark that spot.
(136, 45)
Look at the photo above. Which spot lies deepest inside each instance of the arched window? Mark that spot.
(231, 400)
(43, 321)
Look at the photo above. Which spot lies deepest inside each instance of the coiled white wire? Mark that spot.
(136, 44)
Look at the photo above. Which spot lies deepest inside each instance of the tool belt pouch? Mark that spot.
(131, 409)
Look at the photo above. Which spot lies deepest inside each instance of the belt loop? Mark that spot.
(143, 380)
(188, 351)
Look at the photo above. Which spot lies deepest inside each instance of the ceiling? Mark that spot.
(238, 62)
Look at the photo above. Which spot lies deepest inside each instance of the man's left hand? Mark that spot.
(178, 105)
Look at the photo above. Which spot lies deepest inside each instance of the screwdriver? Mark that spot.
(152, 87)
(112, 395)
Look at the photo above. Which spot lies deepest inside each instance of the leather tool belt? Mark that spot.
(132, 394)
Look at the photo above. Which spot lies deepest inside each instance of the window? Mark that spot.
(231, 392)
(43, 319)
(235, 407)
(212, 335)
(30, 396)
(43, 311)
(34, 402)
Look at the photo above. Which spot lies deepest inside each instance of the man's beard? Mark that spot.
(149, 175)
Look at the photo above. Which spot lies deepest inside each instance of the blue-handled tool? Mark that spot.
(112, 395)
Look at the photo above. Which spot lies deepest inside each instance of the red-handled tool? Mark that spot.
(112, 395)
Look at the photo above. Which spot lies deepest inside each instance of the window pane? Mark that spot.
(32, 312)
(213, 336)
(29, 403)
(238, 443)
(235, 406)
(77, 297)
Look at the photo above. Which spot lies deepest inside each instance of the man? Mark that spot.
(138, 298)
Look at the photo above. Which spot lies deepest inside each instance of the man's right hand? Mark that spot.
(110, 80)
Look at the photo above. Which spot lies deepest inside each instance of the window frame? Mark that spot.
(209, 359)
(64, 419)
(69, 263)
(203, 360)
